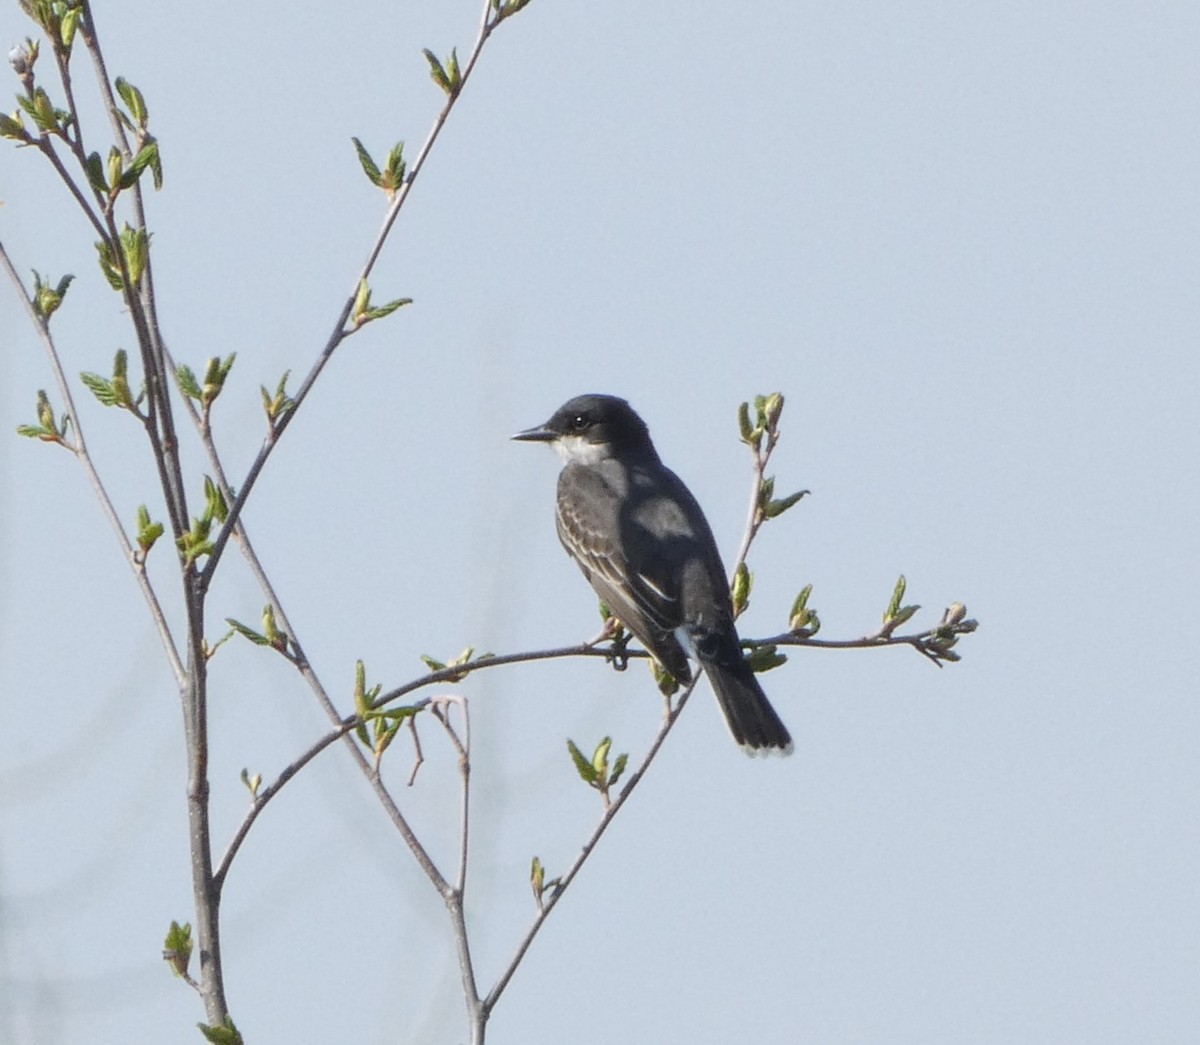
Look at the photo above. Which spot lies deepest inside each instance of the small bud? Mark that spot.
(764, 658)
(20, 59)
(954, 614)
(743, 581)
(252, 782)
(773, 408)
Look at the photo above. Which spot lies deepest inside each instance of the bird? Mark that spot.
(644, 545)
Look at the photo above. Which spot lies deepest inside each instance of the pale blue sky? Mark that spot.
(962, 239)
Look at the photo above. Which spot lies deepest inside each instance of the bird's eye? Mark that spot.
(579, 422)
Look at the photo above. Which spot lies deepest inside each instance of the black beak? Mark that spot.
(541, 434)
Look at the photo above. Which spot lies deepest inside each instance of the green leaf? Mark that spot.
(247, 633)
(766, 491)
(802, 599)
(116, 166)
(400, 714)
(223, 1035)
(743, 581)
(94, 167)
(364, 700)
(47, 429)
(385, 310)
(156, 170)
(764, 658)
(147, 157)
(362, 311)
(133, 100)
(147, 532)
(68, 26)
(187, 382)
(215, 506)
(101, 388)
(12, 127)
(395, 162)
(177, 947)
(253, 783)
(195, 542)
(135, 245)
(582, 766)
(618, 769)
(774, 509)
(666, 682)
(120, 380)
(46, 299)
(108, 260)
(215, 372)
(745, 428)
(362, 299)
(393, 173)
(368, 165)
(447, 76)
(276, 637)
(801, 616)
(436, 73)
(507, 8)
(897, 595)
(42, 111)
(275, 406)
(600, 757)
(772, 409)
(361, 705)
(385, 733)
(431, 664)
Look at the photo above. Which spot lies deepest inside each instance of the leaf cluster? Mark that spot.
(596, 771)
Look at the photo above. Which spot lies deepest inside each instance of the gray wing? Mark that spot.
(644, 598)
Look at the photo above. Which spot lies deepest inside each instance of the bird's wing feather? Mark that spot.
(588, 526)
(645, 600)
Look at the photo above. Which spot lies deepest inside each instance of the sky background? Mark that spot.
(962, 239)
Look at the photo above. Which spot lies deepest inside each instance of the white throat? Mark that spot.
(574, 449)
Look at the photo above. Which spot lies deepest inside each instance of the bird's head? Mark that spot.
(590, 428)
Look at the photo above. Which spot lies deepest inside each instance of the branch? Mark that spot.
(609, 813)
(340, 332)
(456, 896)
(932, 643)
(80, 450)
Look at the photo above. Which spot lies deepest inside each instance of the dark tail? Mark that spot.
(752, 721)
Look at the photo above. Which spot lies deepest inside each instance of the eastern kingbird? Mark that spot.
(645, 547)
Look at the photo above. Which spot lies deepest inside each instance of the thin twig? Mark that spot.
(463, 748)
(145, 289)
(340, 331)
(81, 453)
(347, 725)
(755, 517)
(456, 897)
(609, 814)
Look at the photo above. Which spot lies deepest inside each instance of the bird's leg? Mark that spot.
(616, 633)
